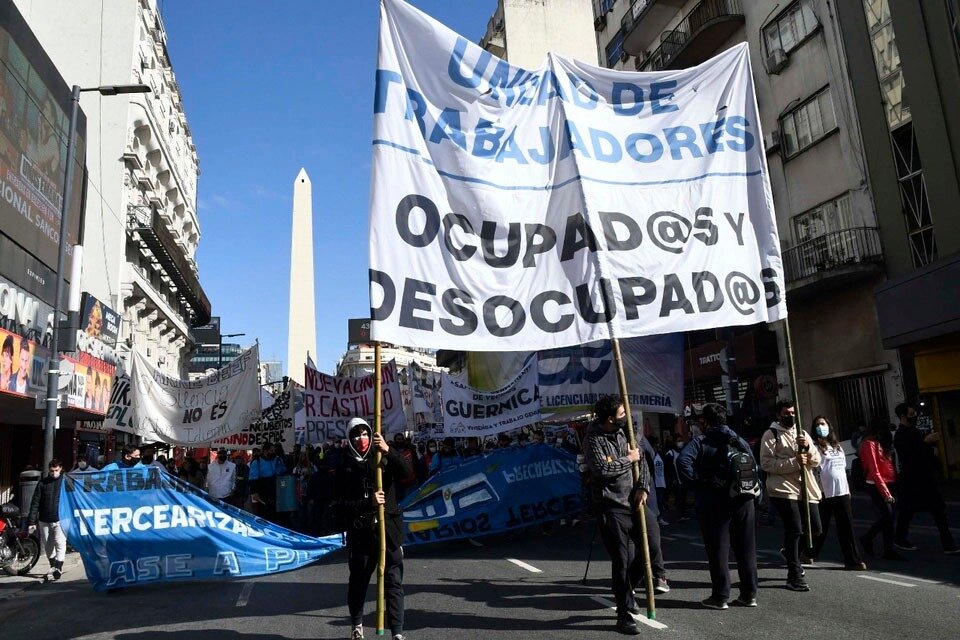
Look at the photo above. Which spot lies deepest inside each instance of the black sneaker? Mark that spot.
(867, 545)
(56, 574)
(903, 545)
(714, 603)
(744, 601)
(798, 584)
(628, 626)
(661, 586)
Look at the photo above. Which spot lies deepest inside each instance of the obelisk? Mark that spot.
(302, 334)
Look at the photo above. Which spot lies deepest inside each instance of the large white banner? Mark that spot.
(516, 209)
(330, 401)
(572, 379)
(468, 411)
(195, 412)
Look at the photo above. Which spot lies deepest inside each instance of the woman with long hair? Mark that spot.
(836, 495)
(879, 469)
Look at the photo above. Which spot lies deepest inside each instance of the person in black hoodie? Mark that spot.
(45, 509)
(725, 521)
(917, 486)
(356, 501)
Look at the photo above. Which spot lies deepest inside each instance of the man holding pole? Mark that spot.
(789, 459)
(357, 501)
(617, 497)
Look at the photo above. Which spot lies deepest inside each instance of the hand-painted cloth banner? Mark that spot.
(141, 525)
(275, 426)
(196, 412)
(471, 412)
(425, 392)
(572, 379)
(516, 209)
(499, 491)
(119, 413)
(330, 401)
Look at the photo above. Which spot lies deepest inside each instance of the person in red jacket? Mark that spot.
(876, 454)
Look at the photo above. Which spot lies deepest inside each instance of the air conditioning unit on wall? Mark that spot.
(600, 23)
(776, 61)
(771, 141)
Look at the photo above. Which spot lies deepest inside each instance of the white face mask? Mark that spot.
(55, 474)
(823, 431)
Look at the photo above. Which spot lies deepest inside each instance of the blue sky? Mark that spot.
(269, 88)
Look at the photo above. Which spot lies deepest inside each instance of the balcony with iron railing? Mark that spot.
(832, 260)
(644, 20)
(697, 37)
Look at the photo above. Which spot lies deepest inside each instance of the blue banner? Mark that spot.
(141, 525)
(502, 490)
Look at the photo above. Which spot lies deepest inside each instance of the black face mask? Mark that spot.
(787, 421)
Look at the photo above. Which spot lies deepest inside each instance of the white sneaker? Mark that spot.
(357, 633)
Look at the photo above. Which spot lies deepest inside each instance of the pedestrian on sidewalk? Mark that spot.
(836, 496)
(877, 455)
(917, 490)
(45, 510)
(786, 452)
(617, 497)
(356, 501)
(726, 520)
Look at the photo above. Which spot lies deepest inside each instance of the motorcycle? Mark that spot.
(19, 550)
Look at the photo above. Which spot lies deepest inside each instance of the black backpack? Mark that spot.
(741, 471)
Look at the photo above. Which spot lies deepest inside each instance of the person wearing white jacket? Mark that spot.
(221, 477)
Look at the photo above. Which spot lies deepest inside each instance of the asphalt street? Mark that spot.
(527, 585)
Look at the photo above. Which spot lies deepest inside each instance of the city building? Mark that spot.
(358, 360)
(904, 65)
(140, 228)
(522, 32)
(826, 210)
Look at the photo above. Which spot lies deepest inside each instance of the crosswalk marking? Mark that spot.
(524, 565)
(245, 594)
(903, 577)
(876, 579)
(641, 618)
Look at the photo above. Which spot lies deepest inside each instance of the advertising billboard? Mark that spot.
(90, 383)
(23, 365)
(358, 330)
(34, 121)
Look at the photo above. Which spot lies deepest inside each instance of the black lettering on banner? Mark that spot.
(468, 318)
(585, 303)
(737, 226)
(488, 233)
(412, 303)
(549, 241)
(608, 219)
(539, 317)
(669, 231)
(631, 299)
(450, 221)
(770, 288)
(703, 304)
(742, 292)
(673, 296)
(387, 399)
(518, 316)
(707, 232)
(431, 225)
(389, 295)
(577, 235)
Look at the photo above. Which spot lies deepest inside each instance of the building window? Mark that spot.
(887, 60)
(807, 124)
(913, 196)
(614, 49)
(953, 13)
(606, 6)
(791, 27)
(859, 398)
(825, 237)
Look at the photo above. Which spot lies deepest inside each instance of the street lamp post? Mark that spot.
(220, 350)
(53, 373)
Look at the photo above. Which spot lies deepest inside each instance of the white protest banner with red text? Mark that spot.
(330, 401)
